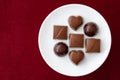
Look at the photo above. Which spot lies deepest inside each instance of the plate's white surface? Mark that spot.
(63, 65)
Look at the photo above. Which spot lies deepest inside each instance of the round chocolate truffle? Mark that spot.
(61, 49)
(90, 29)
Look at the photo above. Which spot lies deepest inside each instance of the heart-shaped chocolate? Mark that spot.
(75, 22)
(76, 56)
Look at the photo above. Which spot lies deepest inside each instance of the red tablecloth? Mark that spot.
(20, 22)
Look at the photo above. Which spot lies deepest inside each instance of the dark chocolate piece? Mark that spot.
(61, 49)
(60, 32)
(76, 56)
(75, 22)
(92, 45)
(76, 40)
(90, 29)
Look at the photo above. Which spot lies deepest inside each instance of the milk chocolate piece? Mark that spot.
(61, 49)
(76, 40)
(60, 32)
(76, 56)
(75, 22)
(90, 29)
(92, 45)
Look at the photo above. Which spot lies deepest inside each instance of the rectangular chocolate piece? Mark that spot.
(92, 45)
(60, 32)
(76, 40)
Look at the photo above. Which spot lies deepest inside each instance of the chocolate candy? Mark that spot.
(92, 45)
(75, 22)
(90, 29)
(61, 49)
(60, 32)
(76, 56)
(76, 40)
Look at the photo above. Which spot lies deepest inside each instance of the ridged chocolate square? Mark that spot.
(76, 40)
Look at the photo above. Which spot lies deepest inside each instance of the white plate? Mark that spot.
(63, 65)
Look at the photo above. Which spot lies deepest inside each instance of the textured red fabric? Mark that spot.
(20, 22)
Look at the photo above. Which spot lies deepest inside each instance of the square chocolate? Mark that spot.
(76, 40)
(92, 45)
(60, 32)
